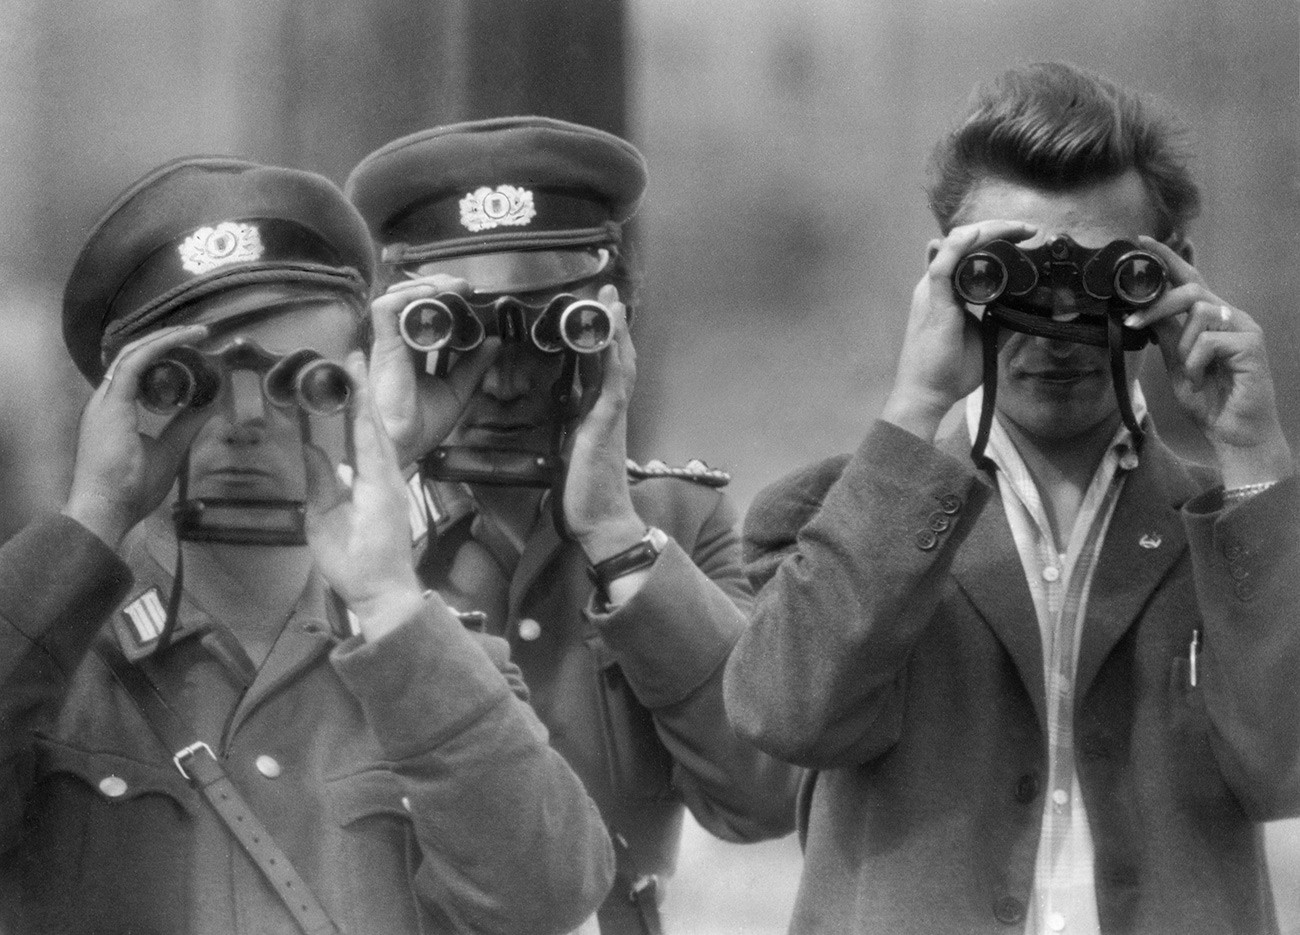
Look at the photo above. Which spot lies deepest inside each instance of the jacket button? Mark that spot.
(268, 766)
(1233, 550)
(950, 503)
(939, 522)
(1027, 787)
(1238, 573)
(1009, 910)
(926, 540)
(113, 786)
(529, 629)
(1244, 591)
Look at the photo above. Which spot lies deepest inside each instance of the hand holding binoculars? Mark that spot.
(186, 377)
(1119, 274)
(450, 321)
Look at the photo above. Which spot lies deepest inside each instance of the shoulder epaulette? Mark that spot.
(694, 470)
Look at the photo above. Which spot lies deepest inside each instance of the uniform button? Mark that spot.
(1244, 591)
(939, 522)
(1051, 573)
(1009, 910)
(113, 786)
(1056, 922)
(1233, 551)
(268, 766)
(926, 540)
(529, 629)
(1026, 788)
(1128, 461)
(1238, 573)
(1061, 797)
(950, 503)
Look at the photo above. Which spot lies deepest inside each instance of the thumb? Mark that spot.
(324, 489)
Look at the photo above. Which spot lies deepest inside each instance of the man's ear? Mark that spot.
(932, 250)
(1185, 250)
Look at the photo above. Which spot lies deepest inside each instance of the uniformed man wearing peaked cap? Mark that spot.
(245, 715)
(619, 587)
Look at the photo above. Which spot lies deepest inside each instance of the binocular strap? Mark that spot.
(989, 343)
(203, 771)
(1118, 378)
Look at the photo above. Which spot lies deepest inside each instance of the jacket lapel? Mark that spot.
(1144, 541)
(539, 550)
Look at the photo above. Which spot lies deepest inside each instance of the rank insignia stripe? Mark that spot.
(140, 622)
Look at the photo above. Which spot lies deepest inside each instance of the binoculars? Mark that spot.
(1120, 274)
(186, 377)
(448, 321)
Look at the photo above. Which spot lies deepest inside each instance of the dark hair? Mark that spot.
(1057, 127)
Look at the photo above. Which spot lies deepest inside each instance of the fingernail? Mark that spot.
(1132, 321)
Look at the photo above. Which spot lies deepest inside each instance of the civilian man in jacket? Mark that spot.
(619, 588)
(279, 732)
(1057, 692)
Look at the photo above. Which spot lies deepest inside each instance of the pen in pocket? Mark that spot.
(1193, 650)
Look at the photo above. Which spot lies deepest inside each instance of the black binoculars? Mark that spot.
(450, 321)
(186, 377)
(1120, 274)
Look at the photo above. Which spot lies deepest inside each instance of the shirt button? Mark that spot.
(1051, 573)
(1061, 797)
(268, 766)
(1056, 922)
(1009, 910)
(113, 786)
(529, 629)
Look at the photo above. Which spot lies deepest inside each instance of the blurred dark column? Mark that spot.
(357, 75)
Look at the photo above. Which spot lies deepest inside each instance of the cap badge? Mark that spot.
(211, 247)
(506, 205)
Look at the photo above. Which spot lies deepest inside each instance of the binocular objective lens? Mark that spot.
(426, 325)
(586, 327)
(1139, 278)
(980, 278)
(166, 386)
(323, 387)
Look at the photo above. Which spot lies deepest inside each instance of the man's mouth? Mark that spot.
(1061, 376)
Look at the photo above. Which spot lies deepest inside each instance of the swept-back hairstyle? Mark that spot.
(1057, 127)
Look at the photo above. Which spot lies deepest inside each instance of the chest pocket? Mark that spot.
(374, 851)
(640, 766)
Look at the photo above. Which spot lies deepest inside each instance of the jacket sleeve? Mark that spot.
(672, 640)
(509, 840)
(1246, 565)
(58, 583)
(849, 567)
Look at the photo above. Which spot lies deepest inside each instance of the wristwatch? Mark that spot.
(641, 555)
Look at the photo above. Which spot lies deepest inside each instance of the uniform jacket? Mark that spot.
(895, 650)
(413, 789)
(633, 699)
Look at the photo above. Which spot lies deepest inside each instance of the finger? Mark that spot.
(1212, 349)
(178, 434)
(1180, 271)
(374, 449)
(1177, 301)
(324, 489)
(122, 378)
(962, 240)
(1203, 316)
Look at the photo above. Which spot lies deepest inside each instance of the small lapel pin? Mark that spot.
(1150, 540)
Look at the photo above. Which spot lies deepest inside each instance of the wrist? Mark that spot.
(1249, 465)
(108, 520)
(386, 609)
(917, 410)
(609, 538)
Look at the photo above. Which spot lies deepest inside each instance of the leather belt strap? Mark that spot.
(202, 770)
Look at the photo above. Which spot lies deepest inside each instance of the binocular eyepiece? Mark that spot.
(448, 321)
(186, 377)
(1119, 272)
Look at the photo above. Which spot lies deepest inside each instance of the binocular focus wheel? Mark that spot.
(980, 278)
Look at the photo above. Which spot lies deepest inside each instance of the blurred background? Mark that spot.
(783, 231)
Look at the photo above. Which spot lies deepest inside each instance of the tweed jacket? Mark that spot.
(900, 658)
(406, 779)
(633, 699)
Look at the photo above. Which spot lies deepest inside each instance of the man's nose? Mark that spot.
(245, 408)
(505, 380)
